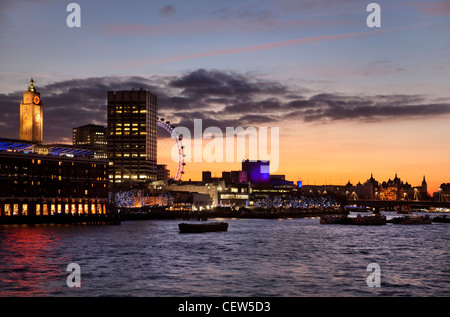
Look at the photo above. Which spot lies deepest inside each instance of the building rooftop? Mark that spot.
(12, 145)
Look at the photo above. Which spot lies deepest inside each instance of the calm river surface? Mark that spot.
(256, 258)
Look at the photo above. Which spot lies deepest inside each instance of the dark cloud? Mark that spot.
(220, 98)
(333, 107)
(309, 5)
(253, 119)
(168, 10)
(270, 105)
(204, 83)
(9, 115)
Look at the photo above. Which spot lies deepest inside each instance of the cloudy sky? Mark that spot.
(348, 100)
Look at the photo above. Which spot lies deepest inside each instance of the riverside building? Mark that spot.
(39, 179)
(63, 181)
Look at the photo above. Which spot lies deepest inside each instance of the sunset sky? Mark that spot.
(348, 100)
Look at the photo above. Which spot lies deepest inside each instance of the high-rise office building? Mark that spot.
(31, 115)
(132, 136)
(93, 137)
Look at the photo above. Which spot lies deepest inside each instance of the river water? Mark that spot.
(254, 258)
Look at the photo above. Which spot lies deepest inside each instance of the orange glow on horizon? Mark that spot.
(336, 153)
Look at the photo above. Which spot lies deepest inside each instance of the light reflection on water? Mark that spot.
(256, 257)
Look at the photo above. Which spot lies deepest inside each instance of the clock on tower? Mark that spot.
(31, 115)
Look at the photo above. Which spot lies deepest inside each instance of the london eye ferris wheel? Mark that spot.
(178, 139)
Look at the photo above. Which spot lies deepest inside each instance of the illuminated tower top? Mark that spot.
(31, 87)
(31, 115)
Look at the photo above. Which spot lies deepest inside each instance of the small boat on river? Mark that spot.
(416, 220)
(374, 220)
(443, 219)
(370, 220)
(334, 219)
(202, 227)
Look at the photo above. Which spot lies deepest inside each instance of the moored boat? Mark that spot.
(334, 219)
(373, 220)
(202, 227)
(416, 220)
(441, 219)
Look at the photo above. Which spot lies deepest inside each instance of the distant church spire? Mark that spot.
(424, 188)
(396, 179)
